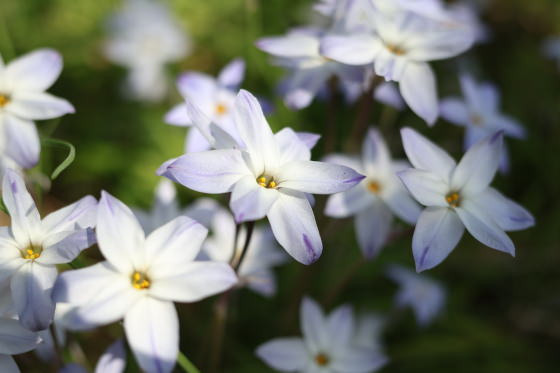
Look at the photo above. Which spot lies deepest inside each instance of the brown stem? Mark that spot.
(365, 106)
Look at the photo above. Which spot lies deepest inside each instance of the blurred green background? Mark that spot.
(503, 314)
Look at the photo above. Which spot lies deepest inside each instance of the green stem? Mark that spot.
(250, 226)
(186, 364)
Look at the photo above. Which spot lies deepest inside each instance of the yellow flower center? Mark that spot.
(374, 187)
(4, 99)
(32, 252)
(267, 182)
(453, 199)
(221, 109)
(395, 49)
(140, 280)
(321, 359)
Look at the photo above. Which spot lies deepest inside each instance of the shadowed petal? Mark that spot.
(426, 187)
(313, 325)
(64, 247)
(509, 215)
(15, 339)
(373, 226)
(351, 50)
(284, 354)
(418, 88)
(24, 146)
(250, 201)
(113, 359)
(81, 213)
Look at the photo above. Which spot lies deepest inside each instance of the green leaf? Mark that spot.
(3, 207)
(69, 158)
(186, 364)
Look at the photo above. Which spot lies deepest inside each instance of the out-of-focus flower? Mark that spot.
(425, 296)
(113, 359)
(387, 93)
(140, 280)
(400, 47)
(479, 112)
(328, 345)
(214, 97)
(269, 177)
(73, 368)
(458, 196)
(164, 209)
(31, 248)
(14, 339)
(262, 254)
(23, 99)
(551, 49)
(144, 37)
(375, 200)
(369, 327)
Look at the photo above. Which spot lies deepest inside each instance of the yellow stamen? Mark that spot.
(321, 359)
(267, 182)
(140, 281)
(395, 49)
(4, 100)
(453, 199)
(32, 252)
(221, 109)
(374, 187)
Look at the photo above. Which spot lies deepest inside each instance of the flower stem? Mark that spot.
(250, 227)
(361, 121)
(186, 364)
(57, 361)
(218, 331)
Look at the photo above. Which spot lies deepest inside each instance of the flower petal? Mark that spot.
(403, 205)
(455, 111)
(425, 155)
(15, 339)
(192, 282)
(113, 359)
(81, 214)
(440, 44)
(35, 71)
(120, 236)
(250, 201)
(317, 177)
(38, 105)
(152, 331)
(509, 215)
(359, 360)
(478, 166)
(350, 202)
(418, 88)
(178, 116)
(437, 232)
(284, 354)
(293, 224)
(24, 146)
(292, 45)
(232, 75)
(313, 325)
(31, 288)
(292, 147)
(213, 171)
(197, 86)
(373, 226)
(340, 327)
(63, 247)
(8, 365)
(357, 49)
(426, 187)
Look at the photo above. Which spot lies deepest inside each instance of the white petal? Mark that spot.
(31, 288)
(15, 339)
(510, 126)
(373, 226)
(509, 215)
(441, 44)
(479, 223)
(23, 145)
(455, 111)
(291, 146)
(113, 359)
(176, 243)
(73, 368)
(80, 214)
(284, 354)
(152, 331)
(293, 45)
(193, 282)
(478, 166)
(293, 223)
(23, 212)
(178, 116)
(302, 85)
(250, 201)
(350, 202)
(35, 71)
(351, 50)
(8, 365)
(425, 155)
(340, 327)
(120, 236)
(197, 86)
(375, 154)
(401, 204)
(214, 171)
(418, 88)
(317, 177)
(437, 232)
(63, 247)
(38, 105)
(359, 360)
(232, 75)
(388, 94)
(313, 325)
(426, 187)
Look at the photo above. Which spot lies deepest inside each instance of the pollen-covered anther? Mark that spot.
(267, 182)
(221, 109)
(374, 187)
(140, 280)
(453, 199)
(321, 359)
(4, 99)
(32, 252)
(395, 49)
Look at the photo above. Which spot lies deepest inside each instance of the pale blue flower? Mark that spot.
(14, 339)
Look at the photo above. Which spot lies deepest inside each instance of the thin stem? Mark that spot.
(250, 227)
(57, 362)
(186, 364)
(235, 239)
(361, 121)
(218, 331)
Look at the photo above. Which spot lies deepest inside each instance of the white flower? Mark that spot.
(14, 339)
(480, 114)
(327, 345)
(214, 97)
(164, 209)
(269, 177)
(262, 254)
(23, 99)
(140, 280)
(369, 329)
(458, 196)
(400, 48)
(144, 37)
(31, 248)
(425, 296)
(375, 200)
